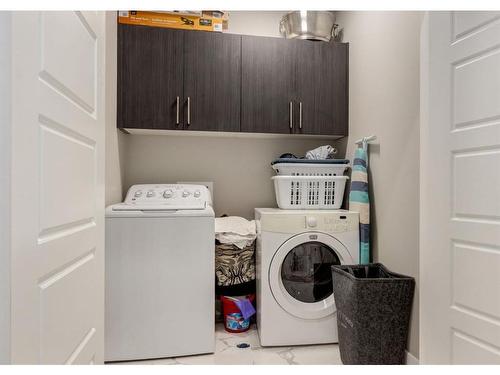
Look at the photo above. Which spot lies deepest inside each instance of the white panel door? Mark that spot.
(460, 190)
(58, 187)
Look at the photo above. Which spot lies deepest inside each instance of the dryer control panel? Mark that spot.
(297, 221)
(166, 197)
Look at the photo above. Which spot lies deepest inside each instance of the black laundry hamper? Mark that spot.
(373, 313)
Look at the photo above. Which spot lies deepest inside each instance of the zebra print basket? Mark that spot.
(234, 265)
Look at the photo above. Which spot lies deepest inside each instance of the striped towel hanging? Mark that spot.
(359, 201)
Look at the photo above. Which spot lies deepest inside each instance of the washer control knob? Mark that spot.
(197, 194)
(150, 193)
(138, 193)
(168, 193)
(311, 221)
(186, 193)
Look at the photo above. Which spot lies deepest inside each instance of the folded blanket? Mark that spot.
(235, 230)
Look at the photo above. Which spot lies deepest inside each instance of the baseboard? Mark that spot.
(410, 359)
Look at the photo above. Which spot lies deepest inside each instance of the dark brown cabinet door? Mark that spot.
(150, 77)
(321, 88)
(212, 73)
(267, 85)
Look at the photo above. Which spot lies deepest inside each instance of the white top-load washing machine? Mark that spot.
(295, 252)
(160, 273)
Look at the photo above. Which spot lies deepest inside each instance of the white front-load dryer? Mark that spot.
(295, 252)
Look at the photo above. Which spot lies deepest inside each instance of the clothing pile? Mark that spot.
(321, 153)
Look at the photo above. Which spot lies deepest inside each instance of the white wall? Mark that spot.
(424, 120)
(115, 139)
(255, 23)
(384, 100)
(5, 125)
(239, 167)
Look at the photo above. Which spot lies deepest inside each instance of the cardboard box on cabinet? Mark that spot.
(204, 21)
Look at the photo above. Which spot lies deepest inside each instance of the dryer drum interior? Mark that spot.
(306, 271)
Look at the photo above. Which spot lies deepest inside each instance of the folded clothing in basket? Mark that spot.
(321, 153)
(235, 230)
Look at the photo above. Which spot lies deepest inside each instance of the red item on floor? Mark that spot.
(233, 319)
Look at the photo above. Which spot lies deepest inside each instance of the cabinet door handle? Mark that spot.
(300, 115)
(291, 115)
(177, 113)
(189, 111)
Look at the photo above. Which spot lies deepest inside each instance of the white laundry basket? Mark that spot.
(316, 192)
(309, 169)
(302, 184)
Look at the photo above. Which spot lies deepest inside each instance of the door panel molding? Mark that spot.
(58, 187)
(460, 180)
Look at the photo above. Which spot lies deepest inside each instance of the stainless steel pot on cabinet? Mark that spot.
(312, 25)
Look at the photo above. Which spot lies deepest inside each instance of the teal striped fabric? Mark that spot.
(359, 201)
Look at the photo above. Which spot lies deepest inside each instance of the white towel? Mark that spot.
(235, 230)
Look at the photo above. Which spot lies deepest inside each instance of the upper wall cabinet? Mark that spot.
(267, 85)
(193, 80)
(321, 95)
(212, 71)
(150, 77)
(294, 86)
(175, 79)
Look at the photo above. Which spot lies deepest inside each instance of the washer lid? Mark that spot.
(300, 274)
(156, 207)
(162, 197)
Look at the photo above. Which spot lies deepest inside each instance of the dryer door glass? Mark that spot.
(306, 271)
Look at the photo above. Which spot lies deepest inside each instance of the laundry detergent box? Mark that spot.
(173, 20)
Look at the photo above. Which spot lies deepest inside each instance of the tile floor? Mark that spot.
(227, 353)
